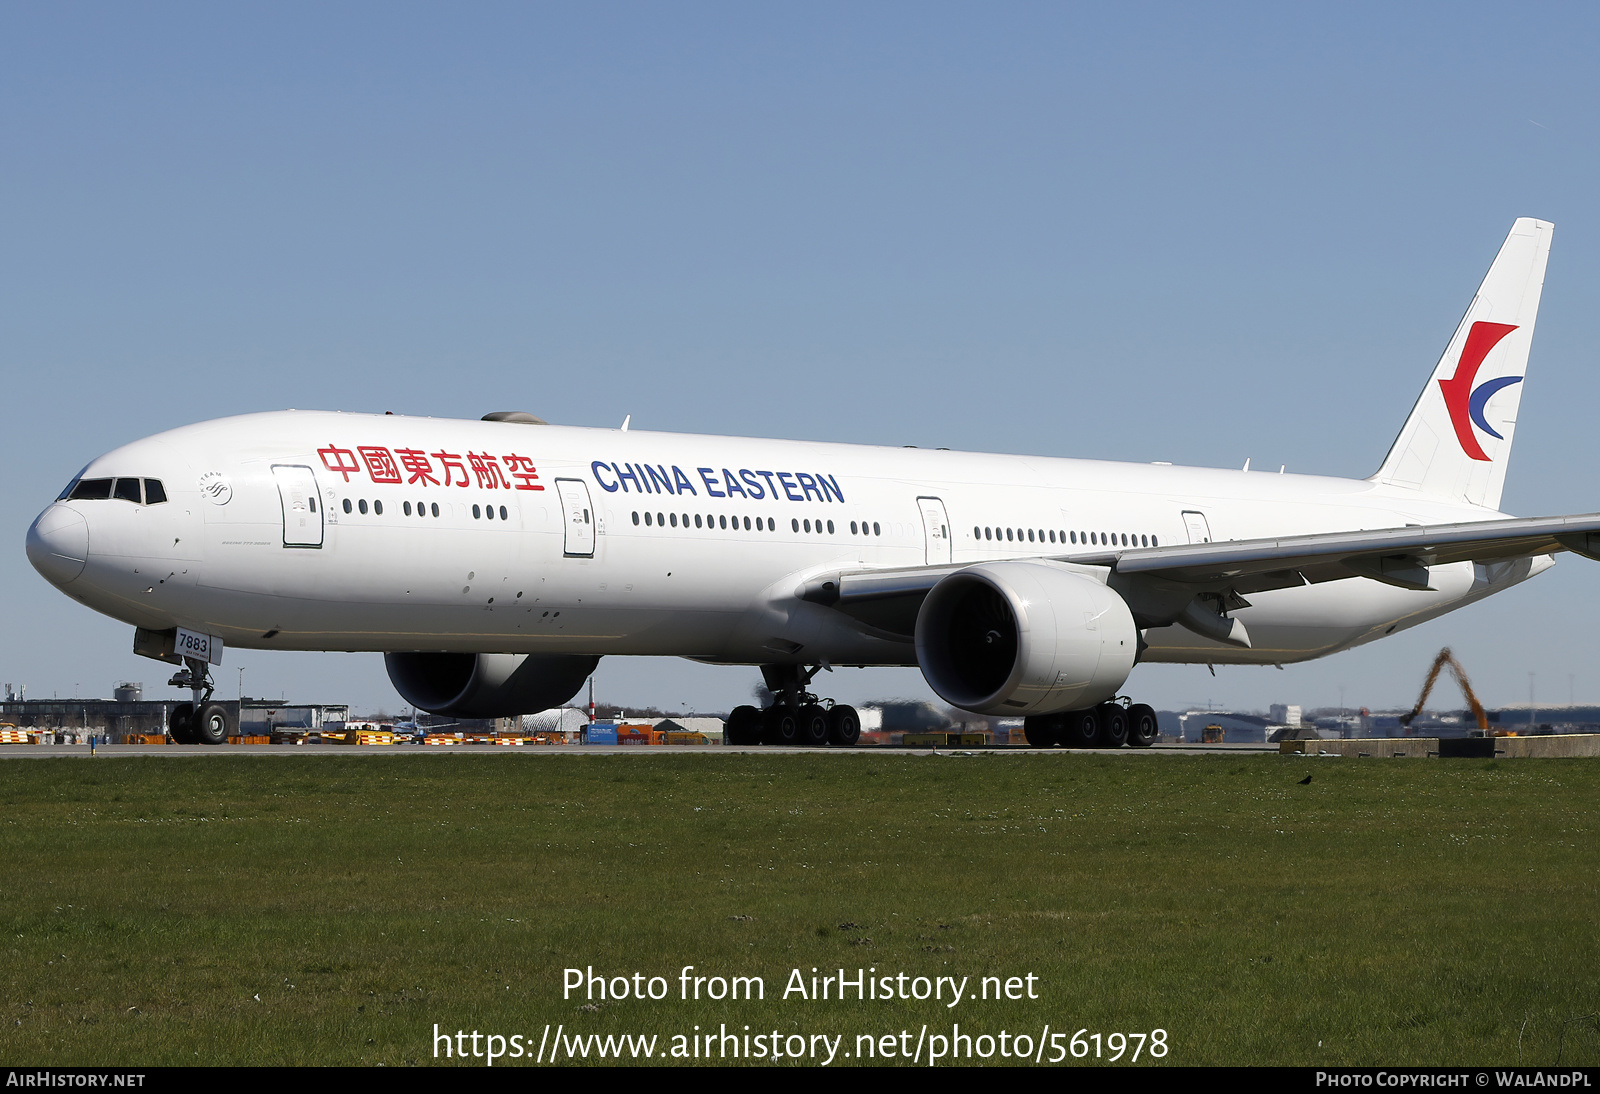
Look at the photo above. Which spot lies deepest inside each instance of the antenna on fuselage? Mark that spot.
(625, 420)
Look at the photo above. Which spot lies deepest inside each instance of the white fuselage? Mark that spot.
(240, 550)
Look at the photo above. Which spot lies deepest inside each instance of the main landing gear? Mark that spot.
(201, 722)
(1109, 725)
(796, 717)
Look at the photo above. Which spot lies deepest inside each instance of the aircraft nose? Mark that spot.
(58, 544)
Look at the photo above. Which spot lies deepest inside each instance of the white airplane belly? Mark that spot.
(1289, 625)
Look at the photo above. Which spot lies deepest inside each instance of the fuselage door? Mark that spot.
(1199, 528)
(935, 530)
(578, 517)
(302, 512)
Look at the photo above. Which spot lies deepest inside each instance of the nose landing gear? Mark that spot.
(796, 717)
(201, 722)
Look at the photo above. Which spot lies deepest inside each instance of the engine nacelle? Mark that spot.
(1022, 638)
(487, 685)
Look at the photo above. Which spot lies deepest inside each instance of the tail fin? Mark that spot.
(1457, 442)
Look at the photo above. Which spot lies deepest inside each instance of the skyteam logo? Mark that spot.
(1466, 403)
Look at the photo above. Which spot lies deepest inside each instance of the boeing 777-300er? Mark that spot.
(494, 562)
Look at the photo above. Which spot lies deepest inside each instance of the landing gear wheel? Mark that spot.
(744, 726)
(1082, 729)
(813, 726)
(1142, 726)
(780, 726)
(1042, 730)
(1113, 725)
(211, 727)
(180, 724)
(844, 726)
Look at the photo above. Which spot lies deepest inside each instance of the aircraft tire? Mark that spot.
(744, 726)
(1082, 728)
(211, 726)
(780, 726)
(1142, 726)
(1113, 725)
(813, 726)
(180, 723)
(1042, 730)
(844, 726)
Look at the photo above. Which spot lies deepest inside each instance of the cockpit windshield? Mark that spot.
(138, 491)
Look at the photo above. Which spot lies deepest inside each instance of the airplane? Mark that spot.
(493, 562)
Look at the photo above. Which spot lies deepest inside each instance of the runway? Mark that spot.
(119, 752)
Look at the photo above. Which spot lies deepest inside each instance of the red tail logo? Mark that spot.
(1458, 394)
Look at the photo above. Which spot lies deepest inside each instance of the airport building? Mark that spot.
(129, 715)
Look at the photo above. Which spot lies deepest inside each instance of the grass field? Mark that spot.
(287, 910)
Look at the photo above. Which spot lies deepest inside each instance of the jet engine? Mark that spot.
(1019, 638)
(487, 685)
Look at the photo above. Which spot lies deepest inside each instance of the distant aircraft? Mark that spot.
(494, 562)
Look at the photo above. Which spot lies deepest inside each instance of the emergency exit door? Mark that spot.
(578, 515)
(302, 513)
(1198, 527)
(935, 530)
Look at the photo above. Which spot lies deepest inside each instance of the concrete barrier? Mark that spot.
(1543, 745)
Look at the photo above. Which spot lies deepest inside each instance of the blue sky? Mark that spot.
(1196, 233)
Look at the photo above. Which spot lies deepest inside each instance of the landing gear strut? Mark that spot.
(1109, 725)
(797, 717)
(201, 722)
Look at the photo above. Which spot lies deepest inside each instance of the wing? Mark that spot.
(1168, 584)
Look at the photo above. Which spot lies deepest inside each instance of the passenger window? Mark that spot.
(795, 524)
(154, 492)
(377, 508)
(362, 505)
(830, 527)
(346, 505)
(92, 490)
(435, 508)
(876, 530)
(406, 508)
(649, 522)
(128, 490)
(636, 516)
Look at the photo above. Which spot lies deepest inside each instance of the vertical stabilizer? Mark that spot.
(1457, 442)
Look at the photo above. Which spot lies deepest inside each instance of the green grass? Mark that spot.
(1391, 912)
